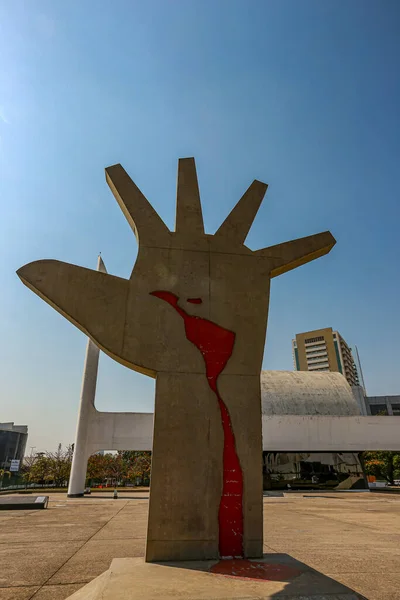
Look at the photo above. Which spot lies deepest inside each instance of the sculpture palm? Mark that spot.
(131, 325)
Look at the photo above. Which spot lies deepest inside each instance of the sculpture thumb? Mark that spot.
(94, 302)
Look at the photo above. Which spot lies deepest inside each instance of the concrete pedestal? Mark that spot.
(23, 502)
(274, 576)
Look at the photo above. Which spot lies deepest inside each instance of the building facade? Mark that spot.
(13, 439)
(324, 350)
(378, 405)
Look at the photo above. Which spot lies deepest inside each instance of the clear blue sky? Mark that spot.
(302, 95)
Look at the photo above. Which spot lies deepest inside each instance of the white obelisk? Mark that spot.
(77, 479)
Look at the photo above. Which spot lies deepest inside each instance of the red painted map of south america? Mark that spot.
(216, 345)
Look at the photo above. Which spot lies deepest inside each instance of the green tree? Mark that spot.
(4, 473)
(138, 465)
(26, 467)
(39, 470)
(48, 466)
(126, 465)
(59, 465)
(383, 465)
(117, 468)
(98, 468)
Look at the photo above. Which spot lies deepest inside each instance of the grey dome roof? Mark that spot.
(306, 393)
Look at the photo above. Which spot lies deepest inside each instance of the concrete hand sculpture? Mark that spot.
(193, 315)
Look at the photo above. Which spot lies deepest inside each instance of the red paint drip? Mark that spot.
(216, 345)
(195, 300)
(248, 569)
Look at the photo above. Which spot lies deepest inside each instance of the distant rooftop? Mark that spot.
(11, 427)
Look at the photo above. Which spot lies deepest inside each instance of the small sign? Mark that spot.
(14, 466)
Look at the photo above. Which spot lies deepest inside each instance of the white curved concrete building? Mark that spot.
(302, 412)
(287, 398)
(306, 393)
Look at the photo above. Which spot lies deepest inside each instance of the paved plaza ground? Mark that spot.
(48, 554)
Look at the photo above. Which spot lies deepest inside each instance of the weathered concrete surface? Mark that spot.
(352, 538)
(133, 431)
(306, 393)
(20, 593)
(53, 557)
(211, 317)
(56, 592)
(44, 560)
(133, 579)
(291, 433)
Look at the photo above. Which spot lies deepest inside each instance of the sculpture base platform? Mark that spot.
(272, 577)
(23, 502)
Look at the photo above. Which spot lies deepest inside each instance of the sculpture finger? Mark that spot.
(237, 224)
(94, 302)
(145, 222)
(289, 255)
(189, 217)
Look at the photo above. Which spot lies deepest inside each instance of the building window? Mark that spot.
(316, 362)
(378, 409)
(316, 339)
(396, 410)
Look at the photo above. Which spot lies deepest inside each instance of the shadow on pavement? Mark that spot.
(299, 581)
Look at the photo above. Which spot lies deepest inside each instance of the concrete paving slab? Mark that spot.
(18, 593)
(342, 537)
(72, 513)
(95, 557)
(40, 532)
(57, 592)
(127, 524)
(379, 586)
(268, 550)
(119, 531)
(32, 564)
(15, 514)
(340, 559)
(83, 519)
